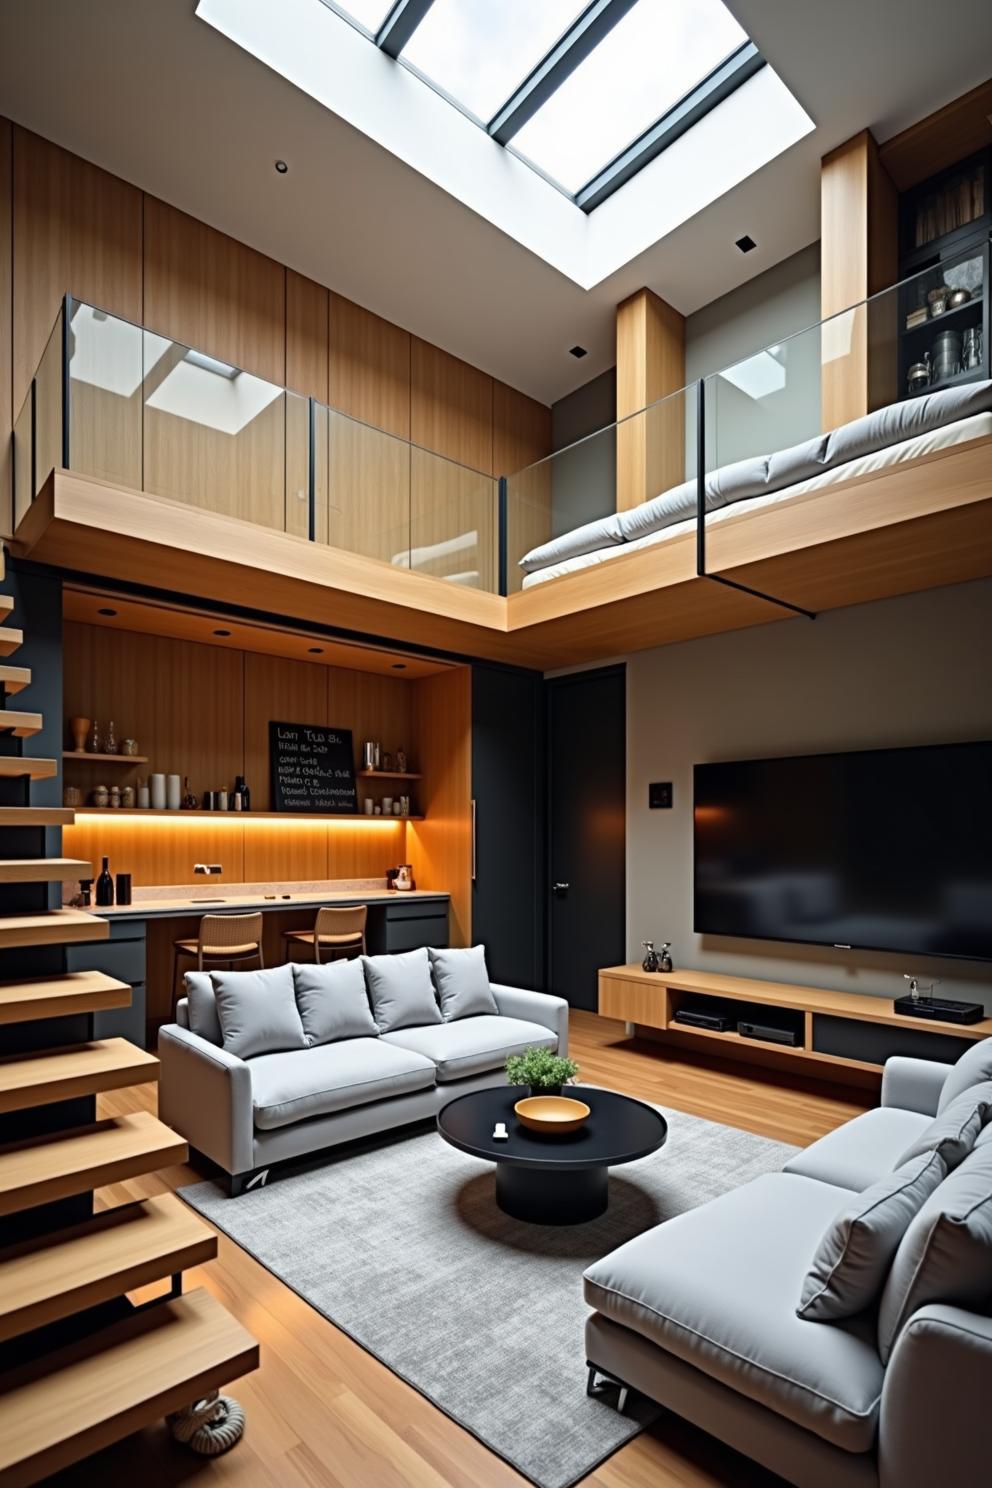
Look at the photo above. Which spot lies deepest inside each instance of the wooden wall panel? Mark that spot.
(162, 850)
(373, 707)
(369, 371)
(451, 407)
(650, 365)
(941, 139)
(289, 691)
(521, 436)
(77, 230)
(241, 475)
(6, 328)
(211, 292)
(440, 848)
(366, 506)
(307, 311)
(454, 521)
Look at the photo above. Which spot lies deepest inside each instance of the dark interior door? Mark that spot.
(587, 773)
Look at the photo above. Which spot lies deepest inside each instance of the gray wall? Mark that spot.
(913, 670)
(584, 479)
(777, 304)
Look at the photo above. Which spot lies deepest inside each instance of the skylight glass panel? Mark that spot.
(368, 13)
(480, 51)
(646, 64)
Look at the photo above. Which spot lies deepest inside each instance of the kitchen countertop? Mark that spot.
(152, 909)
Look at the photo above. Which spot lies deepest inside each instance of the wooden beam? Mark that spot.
(650, 365)
(859, 257)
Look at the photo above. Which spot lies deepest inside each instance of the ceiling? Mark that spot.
(146, 90)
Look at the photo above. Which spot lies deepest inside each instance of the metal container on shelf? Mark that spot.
(971, 349)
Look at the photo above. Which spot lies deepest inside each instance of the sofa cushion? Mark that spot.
(462, 982)
(603, 532)
(717, 1287)
(333, 1002)
(257, 1011)
(905, 420)
(849, 1268)
(470, 1046)
(861, 1151)
(201, 1007)
(286, 1088)
(946, 1254)
(973, 1068)
(953, 1133)
(401, 991)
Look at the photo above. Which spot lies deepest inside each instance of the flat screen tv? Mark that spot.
(887, 850)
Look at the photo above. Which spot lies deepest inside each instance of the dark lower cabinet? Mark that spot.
(508, 831)
(123, 956)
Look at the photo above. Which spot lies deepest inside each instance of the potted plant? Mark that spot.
(543, 1071)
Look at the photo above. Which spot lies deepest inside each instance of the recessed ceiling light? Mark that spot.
(746, 243)
(222, 632)
(316, 650)
(578, 352)
(106, 612)
(281, 167)
(399, 666)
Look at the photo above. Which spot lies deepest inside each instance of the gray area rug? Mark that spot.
(402, 1246)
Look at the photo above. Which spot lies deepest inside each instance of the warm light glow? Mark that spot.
(239, 819)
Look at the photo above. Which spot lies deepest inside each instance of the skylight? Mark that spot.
(652, 58)
(369, 14)
(479, 51)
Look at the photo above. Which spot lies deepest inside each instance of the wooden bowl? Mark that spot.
(556, 1114)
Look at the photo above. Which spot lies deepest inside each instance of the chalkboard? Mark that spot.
(313, 768)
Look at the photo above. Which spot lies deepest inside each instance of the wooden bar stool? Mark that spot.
(334, 931)
(223, 939)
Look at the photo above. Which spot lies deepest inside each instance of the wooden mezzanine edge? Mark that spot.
(920, 524)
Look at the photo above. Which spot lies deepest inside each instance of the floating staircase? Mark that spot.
(81, 1364)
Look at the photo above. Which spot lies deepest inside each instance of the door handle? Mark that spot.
(561, 888)
(474, 840)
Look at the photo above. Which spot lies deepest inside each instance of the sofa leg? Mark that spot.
(599, 1385)
(239, 1183)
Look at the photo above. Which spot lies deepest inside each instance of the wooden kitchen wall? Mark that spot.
(203, 712)
(77, 229)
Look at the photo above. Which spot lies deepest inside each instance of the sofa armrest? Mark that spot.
(204, 1093)
(535, 1007)
(913, 1084)
(934, 1425)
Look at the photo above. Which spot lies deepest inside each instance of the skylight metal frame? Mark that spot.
(554, 68)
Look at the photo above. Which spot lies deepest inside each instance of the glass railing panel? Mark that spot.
(23, 493)
(770, 399)
(366, 509)
(214, 435)
(454, 522)
(105, 395)
(48, 409)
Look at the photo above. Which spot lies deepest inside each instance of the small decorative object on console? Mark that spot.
(650, 962)
(665, 957)
(79, 728)
(404, 877)
(942, 1009)
(554, 1115)
(543, 1071)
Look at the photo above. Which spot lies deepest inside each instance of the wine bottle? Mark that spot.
(241, 785)
(105, 886)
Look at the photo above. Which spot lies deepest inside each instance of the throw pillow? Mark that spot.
(401, 990)
(973, 1068)
(946, 1254)
(332, 1002)
(462, 983)
(851, 1261)
(201, 1007)
(257, 1011)
(953, 1133)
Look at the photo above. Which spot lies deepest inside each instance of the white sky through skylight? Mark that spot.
(652, 58)
(479, 51)
(368, 13)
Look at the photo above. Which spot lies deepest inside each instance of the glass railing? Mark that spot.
(123, 404)
(925, 334)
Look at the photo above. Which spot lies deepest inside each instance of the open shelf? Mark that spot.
(387, 775)
(933, 323)
(104, 759)
(131, 812)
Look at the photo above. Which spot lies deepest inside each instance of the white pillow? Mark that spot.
(462, 982)
(257, 1011)
(201, 1007)
(333, 1002)
(401, 991)
(954, 1132)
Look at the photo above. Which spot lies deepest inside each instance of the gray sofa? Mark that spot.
(700, 1314)
(249, 1113)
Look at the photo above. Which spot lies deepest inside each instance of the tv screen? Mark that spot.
(887, 850)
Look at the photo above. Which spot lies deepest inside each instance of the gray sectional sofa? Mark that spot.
(264, 1067)
(700, 1313)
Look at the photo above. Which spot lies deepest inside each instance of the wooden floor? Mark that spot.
(323, 1414)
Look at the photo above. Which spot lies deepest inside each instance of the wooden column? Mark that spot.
(859, 257)
(650, 365)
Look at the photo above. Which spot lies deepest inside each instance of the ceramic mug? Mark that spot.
(156, 784)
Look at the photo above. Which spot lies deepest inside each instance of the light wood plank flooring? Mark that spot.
(323, 1414)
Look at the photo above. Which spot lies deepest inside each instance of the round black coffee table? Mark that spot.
(553, 1180)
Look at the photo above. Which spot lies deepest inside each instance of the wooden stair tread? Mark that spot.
(81, 1399)
(6, 606)
(61, 996)
(51, 927)
(21, 725)
(43, 870)
(70, 1162)
(13, 678)
(36, 816)
(38, 1079)
(14, 765)
(117, 1251)
(10, 639)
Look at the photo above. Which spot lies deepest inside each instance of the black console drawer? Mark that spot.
(411, 934)
(874, 1043)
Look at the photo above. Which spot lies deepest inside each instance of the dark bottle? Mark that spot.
(665, 957)
(650, 962)
(241, 788)
(105, 886)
